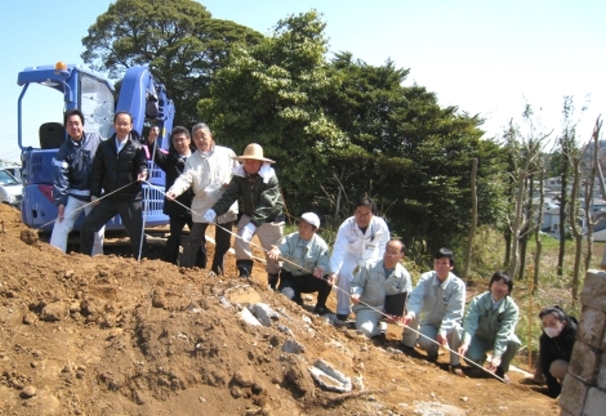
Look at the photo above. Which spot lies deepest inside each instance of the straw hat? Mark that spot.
(254, 152)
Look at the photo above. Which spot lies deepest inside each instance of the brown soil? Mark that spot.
(110, 336)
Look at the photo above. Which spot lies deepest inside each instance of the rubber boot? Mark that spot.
(272, 279)
(244, 268)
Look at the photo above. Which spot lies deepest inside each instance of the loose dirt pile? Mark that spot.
(111, 336)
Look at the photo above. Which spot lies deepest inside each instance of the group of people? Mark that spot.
(209, 184)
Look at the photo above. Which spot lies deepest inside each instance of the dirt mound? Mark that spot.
(108, 335)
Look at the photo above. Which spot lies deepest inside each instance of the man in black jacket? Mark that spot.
(119, 168)
(179, 210)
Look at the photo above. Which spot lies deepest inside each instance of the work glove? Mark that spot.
(248, 231)
(210, 215)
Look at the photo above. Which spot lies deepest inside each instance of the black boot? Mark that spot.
(272, 279)
(244, 268)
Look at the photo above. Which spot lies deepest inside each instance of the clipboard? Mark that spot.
(394, 304)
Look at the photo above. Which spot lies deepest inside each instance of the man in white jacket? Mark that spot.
(207, 171)
(360, 239)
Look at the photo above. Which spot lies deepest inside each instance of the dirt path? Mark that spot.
(109, 336)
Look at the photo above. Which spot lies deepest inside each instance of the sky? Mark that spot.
(486, 57)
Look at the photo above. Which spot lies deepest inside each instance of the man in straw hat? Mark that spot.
(306, 268)
(256, 184)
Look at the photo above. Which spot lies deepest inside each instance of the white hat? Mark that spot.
(311, 219)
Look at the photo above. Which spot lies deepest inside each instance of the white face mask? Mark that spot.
(552, 331)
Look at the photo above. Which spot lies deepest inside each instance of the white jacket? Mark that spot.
(363, 247)
(206, 174)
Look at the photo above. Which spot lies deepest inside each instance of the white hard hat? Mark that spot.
(311, 218)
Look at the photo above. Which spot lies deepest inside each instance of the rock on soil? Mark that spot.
(112, 336)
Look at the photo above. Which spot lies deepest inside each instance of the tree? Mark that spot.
(275, 94)
(178, 39)
(342, 129)
(525, 151)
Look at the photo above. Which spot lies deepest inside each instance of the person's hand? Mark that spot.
(142, 176)
(247, 232)
(60, 212)
(442, 340)
(274, 253)
(407, 319)
(210, 215)
(94, 200)
(318, 272)
(355, 299)
(171, 196)
(153, 135)
(331, 279)
(494, 364)
(463, 348)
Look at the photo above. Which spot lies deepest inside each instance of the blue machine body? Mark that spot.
(140, 95)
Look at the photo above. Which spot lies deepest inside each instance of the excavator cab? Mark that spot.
(77, 87)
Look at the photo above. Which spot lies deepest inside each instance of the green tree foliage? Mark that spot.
(179, 40)
(274, 94)
(342, 129)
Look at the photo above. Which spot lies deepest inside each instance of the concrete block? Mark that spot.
(601, 381)
(585, 362)
(591, 326)
(594, 289)
(572, 398)
(595, 405)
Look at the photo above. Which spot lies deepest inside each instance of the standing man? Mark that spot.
(71, 181)
(207, 173)
(490, 324)
(173, 163)
(435, 309)
(307, 267)
(256, 185)
(119, 168)
(373, 283)
(360, 239)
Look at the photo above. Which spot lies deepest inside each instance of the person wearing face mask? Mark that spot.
(555, 346)
(490, 324)
(207, 172)
(173, 164)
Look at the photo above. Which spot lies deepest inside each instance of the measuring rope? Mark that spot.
(92, 202)
(348, 294)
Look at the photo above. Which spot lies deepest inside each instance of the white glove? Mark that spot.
(210, 215)
(247, 232)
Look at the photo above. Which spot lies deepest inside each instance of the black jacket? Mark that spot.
(557, 348)
(173, 164)
(112, 170)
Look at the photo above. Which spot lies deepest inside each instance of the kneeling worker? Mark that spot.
(376, 281)
(490, 324)
(307, 263)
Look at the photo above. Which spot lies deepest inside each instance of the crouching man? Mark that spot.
(373, 283)
(306, 265)
(490, 324)
(435, 308)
